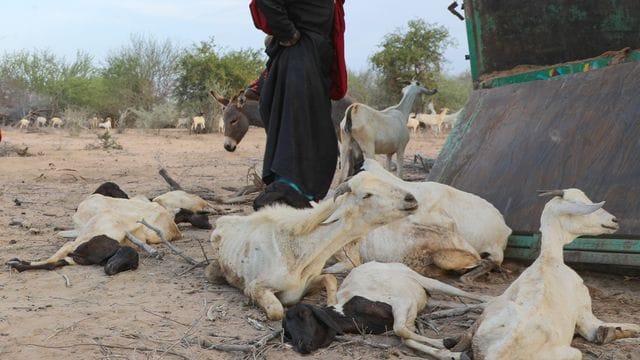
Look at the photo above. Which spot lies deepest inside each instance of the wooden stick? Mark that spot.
(173, 185)
(143, 245)
(455, 312)
(168, 244)
(361, 341)
(251, 346)
(137, 348)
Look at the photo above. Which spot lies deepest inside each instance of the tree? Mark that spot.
(414, 54)
(141, 75)
(205, 67)
(453, 91)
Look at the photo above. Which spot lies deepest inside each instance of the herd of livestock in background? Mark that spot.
(389, 235)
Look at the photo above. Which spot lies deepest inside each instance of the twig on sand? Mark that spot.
(360, 341)
(164, 317)
(67, 282)
(455, 312)
(251, 346)
(168, 244)
(173, 185)
(68, 327)
(143, 245)
(137, 348)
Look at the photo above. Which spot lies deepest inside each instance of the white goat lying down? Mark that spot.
(538, 315)
(277, 254)
(378, 132)
(102, 223)
(373, 298)
(451, 229)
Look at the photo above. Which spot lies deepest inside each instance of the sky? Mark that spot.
(98, 27)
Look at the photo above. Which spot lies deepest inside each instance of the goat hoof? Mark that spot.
(605, 334)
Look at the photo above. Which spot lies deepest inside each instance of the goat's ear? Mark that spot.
(336, 215)
(574, 208)
(324, 317)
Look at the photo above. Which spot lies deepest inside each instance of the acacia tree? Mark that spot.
(416, 53)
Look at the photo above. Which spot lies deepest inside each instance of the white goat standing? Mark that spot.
(221, 125)
(198, 122)
(413, 123)
(56, 122)
(41, 121)
(105, 125)
(378, 132)
(277, 254)
(450, 119)
(538, 315)
(24, 123)
(451, 229)
(433, 121)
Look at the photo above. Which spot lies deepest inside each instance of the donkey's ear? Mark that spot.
(221, 99)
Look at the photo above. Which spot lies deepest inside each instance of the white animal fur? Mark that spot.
(433, 121)
(538, 315)
(114, 217)
(450, 119)
(378, 132)
(277, 254)
(450, 229)
(183, 122)
(56, 122)
(41, 121)
(198, 121)
(178, 199)
(404, 290)
(221, 125)
(24, 123)
(105, 125)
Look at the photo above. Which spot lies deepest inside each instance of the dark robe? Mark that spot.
(295, 104)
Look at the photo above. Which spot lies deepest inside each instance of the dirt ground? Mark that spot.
(159, 310)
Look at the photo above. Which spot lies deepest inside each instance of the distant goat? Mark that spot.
(106, 124)
(539, 314)
(373, 298)
(276, 255)
(183, 122)
(378, 132)
(41, 121)
(56, 122)
(24, 123)
(221, 125)
(197, 122)
(434, 121)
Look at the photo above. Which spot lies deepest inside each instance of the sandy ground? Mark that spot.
(157, 311)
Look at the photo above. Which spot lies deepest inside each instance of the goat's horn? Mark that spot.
(342, 189)
(551, 193)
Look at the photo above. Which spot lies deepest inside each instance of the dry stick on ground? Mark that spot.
(251, 346)
(455, 312)
(144, 246)
(137, 348)
(169, 245)
(361, 341)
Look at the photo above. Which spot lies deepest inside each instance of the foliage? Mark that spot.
(416, 54)
(140, 75)
(205, 67)
(76, 118)
(105, 142)
(363, 87)
(453, 91)
(161, 116)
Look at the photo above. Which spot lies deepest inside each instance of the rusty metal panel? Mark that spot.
(503, 34)
(580, 130)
